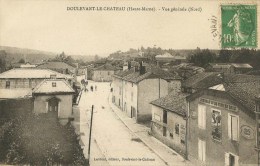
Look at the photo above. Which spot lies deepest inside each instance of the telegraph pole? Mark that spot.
(90, 130)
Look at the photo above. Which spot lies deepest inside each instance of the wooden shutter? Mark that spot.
(234, 127)
(203, 151)
(200, 150)
(199, 115)
(202, 116)
(229, 126)
(236, 161)
(226, 159)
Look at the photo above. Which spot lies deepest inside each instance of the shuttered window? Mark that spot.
(202, 116)
(202, 150)
(233, 127)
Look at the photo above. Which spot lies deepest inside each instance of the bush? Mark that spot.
(40, 140)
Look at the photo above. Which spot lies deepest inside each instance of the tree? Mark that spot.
(224, 56)
(96, 57)
(39, 140)
(203, 57)
(2, 60)
(21, 60)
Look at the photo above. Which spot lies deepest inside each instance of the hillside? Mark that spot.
(14, 54)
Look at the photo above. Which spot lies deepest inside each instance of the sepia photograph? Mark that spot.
(130, 83)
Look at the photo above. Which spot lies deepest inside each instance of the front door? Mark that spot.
(133, 112)
(53, 107)
(231, 160)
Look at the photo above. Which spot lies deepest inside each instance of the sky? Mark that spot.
(49, 26)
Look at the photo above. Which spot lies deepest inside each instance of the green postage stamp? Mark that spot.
(239, 26)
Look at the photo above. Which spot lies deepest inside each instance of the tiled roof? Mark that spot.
(108, 67)
(32, 73)
(15, 93)
(254, 72)
(244, 88)
(164, 55)
(123, 73)
(47, 86)
(173, 102)
(202, 80)
(56, 65)
(220, 65)
(152, 72)
(227, 65)
(242, 65)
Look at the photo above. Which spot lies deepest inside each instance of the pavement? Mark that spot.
(168, 155)
(116, 138)
(81, 124)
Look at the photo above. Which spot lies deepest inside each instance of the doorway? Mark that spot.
(53, 106)
(231, 159)
(133, 112)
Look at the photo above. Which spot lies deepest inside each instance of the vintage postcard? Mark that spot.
(130, 83)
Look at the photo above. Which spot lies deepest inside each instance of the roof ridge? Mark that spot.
(38, 86)
(52, 80)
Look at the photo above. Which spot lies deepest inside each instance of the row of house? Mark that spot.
(230, 68)
(134, 88)
(212, 121)
(49, 91)
(209, 118)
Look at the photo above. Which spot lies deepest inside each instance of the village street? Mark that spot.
(113, 138)
(112, 142)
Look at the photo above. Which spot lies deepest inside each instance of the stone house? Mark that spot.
(104, 73)
(167, 57)
(187, 70)
(201, 81)
(54, 96)
(169, 115)
(134, 89)
(60, 67)
(222, 123)
(229, 68)
(29, 77)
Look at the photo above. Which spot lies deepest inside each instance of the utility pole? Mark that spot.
(90, 130)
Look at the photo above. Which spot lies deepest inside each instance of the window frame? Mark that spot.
(217, 110)
(177, 132)
(202, 122)
(8, 84)
(165, 116)
(164, 131)
(230, 129)
(201, 150)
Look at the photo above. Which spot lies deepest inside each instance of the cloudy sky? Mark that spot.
(47, 25)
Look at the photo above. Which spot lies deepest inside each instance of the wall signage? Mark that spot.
(247, 132)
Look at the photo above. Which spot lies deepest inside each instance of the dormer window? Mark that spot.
(54, 84)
